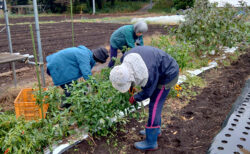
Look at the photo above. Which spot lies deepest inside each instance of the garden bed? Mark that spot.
(57, 36)
(185, 130)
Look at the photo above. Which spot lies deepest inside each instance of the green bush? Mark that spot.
(183, 4)
(162, 6)
(209, 28)
(93, 106)
(181, 52)
(121, 6)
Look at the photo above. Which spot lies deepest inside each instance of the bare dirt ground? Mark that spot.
(57, 36)
(188, 130)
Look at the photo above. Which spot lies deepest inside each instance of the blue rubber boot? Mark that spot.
(151, 140)
(143, 132)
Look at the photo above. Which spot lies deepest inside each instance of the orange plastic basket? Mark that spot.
(25, 105)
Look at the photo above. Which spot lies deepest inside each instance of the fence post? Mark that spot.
(9, 39)
(93, 7)
(39, 42)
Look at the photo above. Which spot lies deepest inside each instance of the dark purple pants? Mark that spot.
(113, 53)
(155, 107)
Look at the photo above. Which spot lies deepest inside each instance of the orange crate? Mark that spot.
(25, 105)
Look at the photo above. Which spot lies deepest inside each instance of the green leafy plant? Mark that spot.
(209, 28)
(95, 106)
(180, 52)
(95, 103)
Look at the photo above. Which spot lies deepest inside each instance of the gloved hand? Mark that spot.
(132, 100)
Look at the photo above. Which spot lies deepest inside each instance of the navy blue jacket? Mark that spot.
(162, 69)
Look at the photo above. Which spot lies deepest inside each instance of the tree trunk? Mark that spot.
(112, 2)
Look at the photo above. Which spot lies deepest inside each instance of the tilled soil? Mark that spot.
(67, 17)
(189, 130)
(57, 36)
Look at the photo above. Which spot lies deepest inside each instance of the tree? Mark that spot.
(19, 2)
(183, 4)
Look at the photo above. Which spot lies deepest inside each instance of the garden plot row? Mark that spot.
(57, 36)
(64, 17)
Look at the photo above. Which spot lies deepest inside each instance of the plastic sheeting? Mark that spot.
(170, 20)
(234, 3)
(235, 133)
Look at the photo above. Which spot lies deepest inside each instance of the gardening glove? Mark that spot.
(132, 100)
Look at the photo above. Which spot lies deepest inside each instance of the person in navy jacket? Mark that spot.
(70, 64)
(156, 72)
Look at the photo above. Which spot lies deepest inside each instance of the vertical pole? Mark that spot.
(39, 42)
(151, 4)
(9, 39)
(72, 22)
(93, 7)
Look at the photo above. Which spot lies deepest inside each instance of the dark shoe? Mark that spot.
(65, 105)
(151, 140)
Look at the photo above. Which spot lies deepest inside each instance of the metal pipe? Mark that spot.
(151, 4)
(9, 39)
(39, 42)
(93, 7)
(72, 22)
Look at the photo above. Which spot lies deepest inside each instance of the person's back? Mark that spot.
(63, 66)
(157, 62)
(118, 38)
(126, 36)
(155, 72)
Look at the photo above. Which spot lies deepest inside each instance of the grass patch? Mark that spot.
(165, 6)
(29, 15)
(122, 7)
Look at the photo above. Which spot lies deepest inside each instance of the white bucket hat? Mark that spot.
(121, 78)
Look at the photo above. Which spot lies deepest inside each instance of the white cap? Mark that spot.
(121, 78)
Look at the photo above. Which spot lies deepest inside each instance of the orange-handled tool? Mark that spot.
(131, 91)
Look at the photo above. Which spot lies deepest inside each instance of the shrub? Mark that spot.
(180, 52)
(162, 6)
(183, 4)
(209, 28)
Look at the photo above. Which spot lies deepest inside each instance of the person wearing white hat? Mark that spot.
(126, 36)
(156, 72)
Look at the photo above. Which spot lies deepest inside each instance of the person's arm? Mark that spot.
(141, 41)
(146, 92)
(84, 65)
(130, 40)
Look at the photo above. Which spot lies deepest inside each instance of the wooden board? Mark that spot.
(8, 57)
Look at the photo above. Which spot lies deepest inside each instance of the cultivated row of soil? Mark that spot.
(57, 36)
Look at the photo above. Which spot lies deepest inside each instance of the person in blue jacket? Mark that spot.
(126, 36)
(156, 72)
(70, 64)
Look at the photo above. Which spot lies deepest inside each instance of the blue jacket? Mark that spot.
(162, 69)
(124, 36)
(70, 64)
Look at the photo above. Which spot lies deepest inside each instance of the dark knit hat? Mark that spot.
(100, 54)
